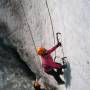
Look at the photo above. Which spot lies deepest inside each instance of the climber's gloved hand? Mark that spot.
(64, 66)
(59, 44)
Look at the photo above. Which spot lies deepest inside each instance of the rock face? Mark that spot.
(23, 27)
(14, 73)
(26, 24)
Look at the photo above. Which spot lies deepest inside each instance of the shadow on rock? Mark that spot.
(14, 72)
(19, 63)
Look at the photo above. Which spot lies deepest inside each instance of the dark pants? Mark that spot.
(56, 74)
(39, 88)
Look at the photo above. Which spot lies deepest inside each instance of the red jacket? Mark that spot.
(47, 60)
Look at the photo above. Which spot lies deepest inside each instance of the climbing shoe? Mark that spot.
(61, 82)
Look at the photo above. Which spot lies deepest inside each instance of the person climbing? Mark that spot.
(37, 85)
(49, 65)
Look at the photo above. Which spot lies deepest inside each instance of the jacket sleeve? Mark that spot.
(52, 49)
(55, 65)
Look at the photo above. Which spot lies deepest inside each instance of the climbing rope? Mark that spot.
(31, 35)
(28, 27)
(47, 87)
(51, 22)
(40, 74)
(53, 32)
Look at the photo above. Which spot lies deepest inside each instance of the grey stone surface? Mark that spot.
(22, 19)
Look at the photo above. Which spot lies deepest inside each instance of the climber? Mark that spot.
(49, 65)
(37, 85)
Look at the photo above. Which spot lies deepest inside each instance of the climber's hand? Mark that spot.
(59, 44)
